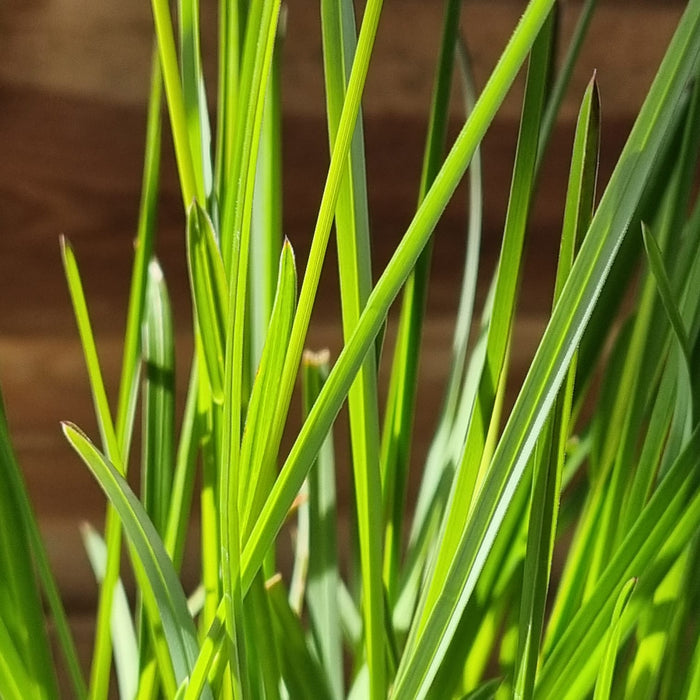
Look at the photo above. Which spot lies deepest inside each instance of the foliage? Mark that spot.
(469, 607)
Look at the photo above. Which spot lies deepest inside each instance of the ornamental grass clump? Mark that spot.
(456, 598)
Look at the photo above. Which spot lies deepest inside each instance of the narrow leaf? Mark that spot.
(160, 587)
(209, 294)
(126, 653)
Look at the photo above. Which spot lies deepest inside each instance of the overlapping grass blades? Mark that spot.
(464, 599)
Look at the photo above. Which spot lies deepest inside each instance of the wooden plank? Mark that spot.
(101, 49)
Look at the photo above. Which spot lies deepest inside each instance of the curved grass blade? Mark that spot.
(209, 294)
(341, 376)
(688, 393)
(126, 653)
(558, 345)
(160, 586)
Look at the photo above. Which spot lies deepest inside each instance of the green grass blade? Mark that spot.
(209, 294)
(257, 473)
(99, 394)
(255, 61)
(194, 95)
(102, 657)
(650, 455)
(479, 631)
(548, 470)
(209, 428)
(126, 653)
(191, 185)
(399, 414)
(350, 619)
(322, 595)
(228, 83)
(23, 630)
(157, 417)
(558, 344)
(184, 478)
(300, 569)
(266, 239)
(663, 284)
(341, 376)
(158, 412)
(15, 681)
(675, 672)
(676, 205)
(355, 274)
(211, 646)
(563, 79)
(261, 655)
(161, 588)
(128, 385)
(603, 684)
(692, 686)
(302, 675)
(486, 691)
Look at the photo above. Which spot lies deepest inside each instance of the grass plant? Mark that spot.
(457, 598)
